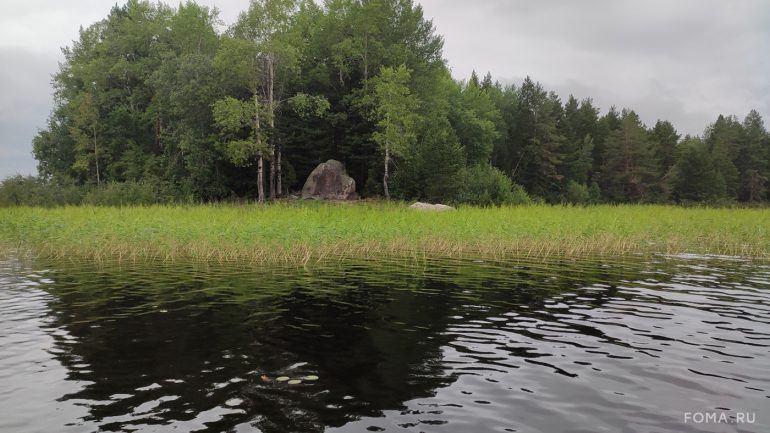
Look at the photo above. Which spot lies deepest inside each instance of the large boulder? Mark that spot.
(433, 207)
(329, 181)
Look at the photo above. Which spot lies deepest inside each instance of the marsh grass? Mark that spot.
(301, 233)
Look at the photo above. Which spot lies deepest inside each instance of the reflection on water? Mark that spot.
(447, 346)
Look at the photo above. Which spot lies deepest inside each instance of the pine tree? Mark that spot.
(578, 128)
(753, 159)
(630, 172)
(722, 139)
(664, 138)
(540, 141)
(695, 162)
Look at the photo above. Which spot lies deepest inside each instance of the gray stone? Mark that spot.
(329, 181)
(432, 207)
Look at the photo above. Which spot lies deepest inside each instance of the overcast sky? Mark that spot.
(686, 61)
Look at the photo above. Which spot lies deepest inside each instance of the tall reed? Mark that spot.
(299, 232)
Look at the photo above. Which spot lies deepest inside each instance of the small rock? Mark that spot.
(432, 207)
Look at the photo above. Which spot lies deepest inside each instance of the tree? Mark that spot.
(579, 128)
(236, 60)
(485, 185)
(506, 150)
(663, 138)
(239, 122)
(754, 158)
(695, 162)
(630, 172)
(395, 112)
(539, 141)
(53, 148)
(722, 139)
(156, 94)
(185, 87)
(84, 133)
(474, 118)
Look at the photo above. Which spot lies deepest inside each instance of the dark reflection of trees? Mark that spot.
(372, 333)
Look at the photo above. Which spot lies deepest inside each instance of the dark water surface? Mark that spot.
(446, 346)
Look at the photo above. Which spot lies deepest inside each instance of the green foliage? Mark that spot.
(630, 171)
(695, 162)
(664, 138)
(580, 131)
(475, 118)
(297, 232)
(232, 115)
(484, 185)
(32, 191)
(754, 159)
(577, 193)
(538, 141)
(154, 94)
(309, 105)
(723, 141)
(123, 194)
(395, 111)
(23, 190)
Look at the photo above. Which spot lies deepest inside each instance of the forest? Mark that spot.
(161, 104)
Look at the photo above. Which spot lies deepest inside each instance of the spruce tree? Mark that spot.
(630, 172)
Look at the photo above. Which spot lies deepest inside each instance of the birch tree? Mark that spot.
(85, 121)
(395, 115)
(238, 119)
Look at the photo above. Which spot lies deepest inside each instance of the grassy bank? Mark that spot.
(307, 232)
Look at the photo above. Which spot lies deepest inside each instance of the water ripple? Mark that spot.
(452, 346)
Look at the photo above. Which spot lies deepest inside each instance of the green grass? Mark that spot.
(299, 232)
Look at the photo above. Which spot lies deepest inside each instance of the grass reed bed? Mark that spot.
(302, 233)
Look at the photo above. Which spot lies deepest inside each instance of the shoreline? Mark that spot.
(314, 232)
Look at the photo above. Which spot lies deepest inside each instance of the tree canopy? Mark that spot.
(161, 95)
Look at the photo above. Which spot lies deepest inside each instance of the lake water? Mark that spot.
(670, 344)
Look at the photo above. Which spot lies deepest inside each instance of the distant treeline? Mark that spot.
(155, 103)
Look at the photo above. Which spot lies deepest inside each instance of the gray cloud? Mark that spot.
(686, 61)
(24, 106)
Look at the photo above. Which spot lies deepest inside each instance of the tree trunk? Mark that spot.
(96, 159)
(260, 162)
(278, 177)
(385, 176)
(260, 180)
(272, 176)
(366, 56)
(271, 109)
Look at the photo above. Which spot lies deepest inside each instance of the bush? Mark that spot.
(123, 194)
(576, 193)
(520, 196)
(484, 185)
(20, 190)
(33, 191)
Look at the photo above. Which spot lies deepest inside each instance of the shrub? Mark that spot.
(20, 190)
(519, 196)
(576, 193)
(123, 194)
(484, 185)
